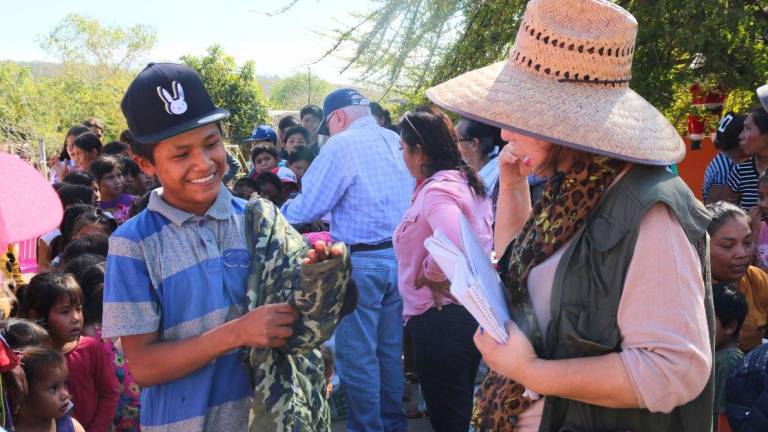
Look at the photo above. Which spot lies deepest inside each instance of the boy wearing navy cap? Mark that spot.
(175, 287)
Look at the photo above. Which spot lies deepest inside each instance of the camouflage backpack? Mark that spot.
(289, 383)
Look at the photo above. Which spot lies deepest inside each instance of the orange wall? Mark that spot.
(692, 168)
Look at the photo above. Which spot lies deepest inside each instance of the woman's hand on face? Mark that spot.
(513, 168)
(440, 290)
(320, 252)
(513, 359)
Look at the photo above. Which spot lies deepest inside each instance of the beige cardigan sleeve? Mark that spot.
(666, 349)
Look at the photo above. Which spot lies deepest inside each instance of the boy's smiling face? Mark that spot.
(190, 167)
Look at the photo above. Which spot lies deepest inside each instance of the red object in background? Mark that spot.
(713, 102)
(691, 168)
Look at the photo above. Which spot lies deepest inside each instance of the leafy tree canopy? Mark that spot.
(406, 46)
(232, 88)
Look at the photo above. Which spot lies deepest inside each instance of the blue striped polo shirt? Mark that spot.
(181, 275)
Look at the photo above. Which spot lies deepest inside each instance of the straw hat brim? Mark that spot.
(596, 118)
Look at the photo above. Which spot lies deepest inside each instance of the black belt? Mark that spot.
(362, 247)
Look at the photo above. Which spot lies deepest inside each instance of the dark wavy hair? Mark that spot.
(74, 131)
(760, 119)
(433, 131)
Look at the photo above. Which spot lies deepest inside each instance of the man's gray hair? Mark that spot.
(355, 112)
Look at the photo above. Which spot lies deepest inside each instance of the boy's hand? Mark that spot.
(320, 253)
(267, 326)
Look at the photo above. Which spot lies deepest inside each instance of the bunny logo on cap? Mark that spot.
(174, 104)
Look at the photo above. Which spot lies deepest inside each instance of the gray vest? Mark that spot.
(587, 289)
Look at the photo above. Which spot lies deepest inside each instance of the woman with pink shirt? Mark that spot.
(440, 329)
(607, 277)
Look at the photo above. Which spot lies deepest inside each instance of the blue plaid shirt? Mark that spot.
(361, 179)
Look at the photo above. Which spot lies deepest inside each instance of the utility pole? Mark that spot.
(309, 85)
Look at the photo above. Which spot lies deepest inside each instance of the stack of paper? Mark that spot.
(474, 281)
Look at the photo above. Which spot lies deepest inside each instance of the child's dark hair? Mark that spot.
(70, 194)
(104, 165)
(81, 178)
(21, 333)
(114, 148)
(94, 244)
(75, 217)
(129, 167)
(40, 359)
(263, 147)
(245, 181)
(298, 130)
(434, 132)
(74, 131)
(488, 136)
(91, 281)
(301, 153)
(313, 110)
(45, 290)
(88, 142)
(80, 264)
(760, 119)
(730, 306)
(126, 137)
(67, 221)
(268, 177)
(286, 122)
(721, 212)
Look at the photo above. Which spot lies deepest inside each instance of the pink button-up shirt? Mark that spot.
(436, 204)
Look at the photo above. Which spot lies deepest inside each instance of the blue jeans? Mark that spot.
(369, 345)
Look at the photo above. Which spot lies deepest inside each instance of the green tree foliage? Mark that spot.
(295, 91)
(232, 88)
(82, 40)
(406, 46)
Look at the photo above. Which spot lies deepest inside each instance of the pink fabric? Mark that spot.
(22, 218)
(762, 246)
(436, 204)
(313, 237)
(93, 385)
(661, 317)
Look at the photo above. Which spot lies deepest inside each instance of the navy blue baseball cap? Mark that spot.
(339, 99)
(165, 100)
(263, 133)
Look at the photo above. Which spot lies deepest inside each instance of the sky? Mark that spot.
(279, 45)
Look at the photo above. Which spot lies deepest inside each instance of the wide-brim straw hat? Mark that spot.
(567, 82)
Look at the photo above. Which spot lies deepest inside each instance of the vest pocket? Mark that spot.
(587, 333)
(604, 234)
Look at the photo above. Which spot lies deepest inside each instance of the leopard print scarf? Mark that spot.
(557, 216)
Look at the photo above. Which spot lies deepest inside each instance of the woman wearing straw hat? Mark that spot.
(607, 277)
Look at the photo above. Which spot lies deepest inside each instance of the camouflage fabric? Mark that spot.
(289, 383)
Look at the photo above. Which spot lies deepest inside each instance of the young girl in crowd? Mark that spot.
(47, 405)
(64, 164)
(91, 280)
(55, 300)
(108, 172)
(85, 149)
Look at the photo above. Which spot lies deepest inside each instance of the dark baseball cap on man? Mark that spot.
(339, 99)
(165, 100)
(728, 130)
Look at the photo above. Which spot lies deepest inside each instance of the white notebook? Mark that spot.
(474, 281)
